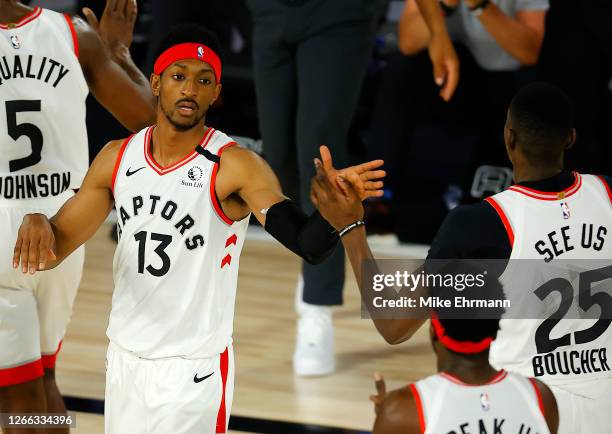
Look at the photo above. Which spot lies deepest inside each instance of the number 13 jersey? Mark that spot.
(42, 107)
(176, 264)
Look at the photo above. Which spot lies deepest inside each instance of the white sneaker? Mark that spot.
(314, 348)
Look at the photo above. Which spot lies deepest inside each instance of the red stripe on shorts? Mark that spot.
(221, 415)
(21, 374)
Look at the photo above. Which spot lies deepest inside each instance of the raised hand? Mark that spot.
(365, 178)
(340, 206)
(35, 244)
(381, 392)
(116, 26)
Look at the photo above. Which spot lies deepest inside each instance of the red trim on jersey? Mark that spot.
(419, 406)
(221, 415)
(75, 39)
(192, 155)
(231, 240)
(227, 260)
(496, 379)
(547, 195)
(24, 20)
(539, 395)
(118, 162)
(504, 219)
(48, 360)
(606, 186)
(213, 193)
(463, 347)
(21, 374)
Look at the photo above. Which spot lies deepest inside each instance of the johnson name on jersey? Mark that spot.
(42, 108)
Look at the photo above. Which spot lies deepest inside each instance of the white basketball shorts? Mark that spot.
(34, 309)
(171, 395)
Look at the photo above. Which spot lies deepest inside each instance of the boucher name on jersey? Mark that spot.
(567, 232)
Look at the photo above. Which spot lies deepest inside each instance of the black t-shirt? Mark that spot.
(476, 231)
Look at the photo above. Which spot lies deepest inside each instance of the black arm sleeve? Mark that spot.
(311, 238)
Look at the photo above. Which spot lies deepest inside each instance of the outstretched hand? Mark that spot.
(364, 178)
(339, 205)
(116, 26)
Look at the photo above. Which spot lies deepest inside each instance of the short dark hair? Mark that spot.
(183, 33)
(542, 119)
(470, 323)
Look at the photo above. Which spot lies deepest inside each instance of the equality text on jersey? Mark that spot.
(43, 69)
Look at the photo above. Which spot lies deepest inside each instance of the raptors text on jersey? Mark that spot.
(176, 264)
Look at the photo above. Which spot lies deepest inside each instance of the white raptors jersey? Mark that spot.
(568, 227)
(509, 403)
(42, 108)
(176, 265)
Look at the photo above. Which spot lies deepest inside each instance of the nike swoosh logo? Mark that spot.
(129, 173)
(197, 380)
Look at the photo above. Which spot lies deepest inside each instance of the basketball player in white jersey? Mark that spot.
(48, 64)
(184, 193)
(467, 395)
(549, 214)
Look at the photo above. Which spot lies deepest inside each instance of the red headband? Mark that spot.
(463, 347)
(188, 51)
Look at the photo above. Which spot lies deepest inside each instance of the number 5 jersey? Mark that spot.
(42, 107)
(176, 264)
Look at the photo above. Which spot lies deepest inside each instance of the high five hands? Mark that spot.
(338, 193)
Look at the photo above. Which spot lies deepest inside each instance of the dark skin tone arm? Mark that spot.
(341, 207)
(43, 243)
(396, 411)
(551, 411)
(245, 184)
(113, 78)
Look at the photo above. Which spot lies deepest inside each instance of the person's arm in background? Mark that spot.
(112, 76)
(441, 51)
(413, 33)
(521, 36)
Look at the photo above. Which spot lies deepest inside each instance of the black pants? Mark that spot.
(310, 57)
(577, 57)
(420, 167)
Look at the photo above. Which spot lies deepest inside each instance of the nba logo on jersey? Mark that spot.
(566, 210)
(485, 404)
(15, 42)
(200, 52)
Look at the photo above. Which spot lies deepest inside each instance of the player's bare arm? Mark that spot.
(342, 207)
(113, 78)
(246, 183)
(43, 243)
(551, 411)
(396, 411)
